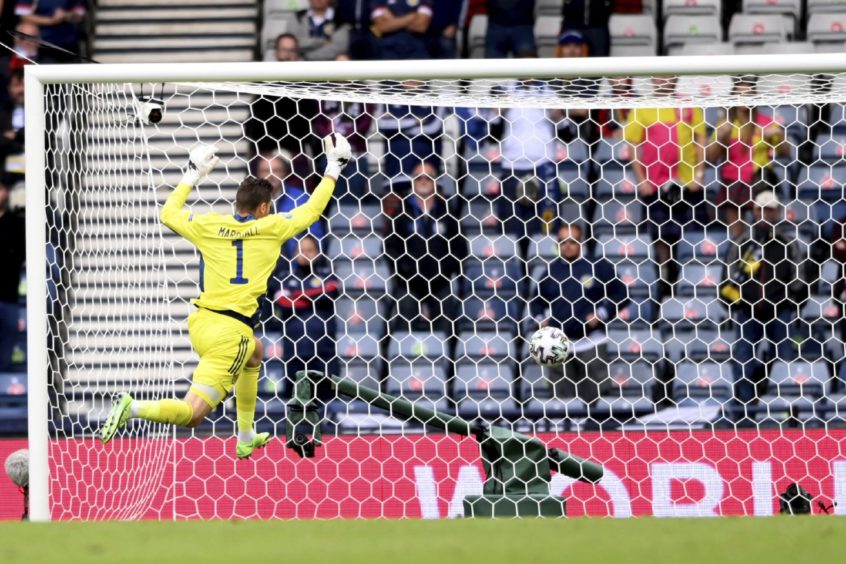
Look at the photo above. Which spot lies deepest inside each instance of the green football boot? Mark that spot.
(117, 419)
(245, 450)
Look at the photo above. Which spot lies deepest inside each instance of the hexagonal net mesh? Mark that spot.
(685, 234)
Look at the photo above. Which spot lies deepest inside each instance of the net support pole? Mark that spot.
(36, 304)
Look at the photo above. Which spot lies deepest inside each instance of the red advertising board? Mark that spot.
(658, 473)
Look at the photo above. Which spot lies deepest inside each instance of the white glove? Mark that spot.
(338, 153)
(201, 162)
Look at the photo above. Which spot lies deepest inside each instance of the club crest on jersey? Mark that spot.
(587, 280)
(316, 281)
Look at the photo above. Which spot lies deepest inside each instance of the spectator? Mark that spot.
(745, 142)
(590, 17)
(762, 286)
(26, 45)
(401, 26)
(412, 134)
(669, 167)
(837, 239)
(281, 123)
(441, 36)
(576, 125)
(511, 28)
(12, 254)
(356, 14)
(59, 21)
(352, 120)
(305, 307)
(320, 36)
(286, 196)
(528, 204)
(580, 295)
(12, 130)
(425, 249)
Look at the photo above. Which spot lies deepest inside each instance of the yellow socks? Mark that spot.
(246, 389)
(175, 412)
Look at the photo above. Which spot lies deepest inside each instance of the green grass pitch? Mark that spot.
(525, 541)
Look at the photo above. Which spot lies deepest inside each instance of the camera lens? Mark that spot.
(155, 115)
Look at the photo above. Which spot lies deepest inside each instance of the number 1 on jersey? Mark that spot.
(239, 264)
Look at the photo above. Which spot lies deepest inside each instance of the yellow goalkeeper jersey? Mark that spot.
(238, 254)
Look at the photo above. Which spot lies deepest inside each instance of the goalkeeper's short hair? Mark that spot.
(252, 193)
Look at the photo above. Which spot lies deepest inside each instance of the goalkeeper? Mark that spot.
(238, 255)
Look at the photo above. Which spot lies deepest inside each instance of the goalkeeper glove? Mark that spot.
(338, 154)
(201, 162)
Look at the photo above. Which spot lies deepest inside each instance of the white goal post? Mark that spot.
(245, 78)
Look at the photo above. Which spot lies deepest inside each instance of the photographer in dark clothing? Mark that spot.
(763, 288)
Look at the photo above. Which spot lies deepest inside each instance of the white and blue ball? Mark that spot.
(549, 346)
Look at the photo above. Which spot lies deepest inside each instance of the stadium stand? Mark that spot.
(478, 373)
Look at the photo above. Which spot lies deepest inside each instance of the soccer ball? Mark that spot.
(549, 347)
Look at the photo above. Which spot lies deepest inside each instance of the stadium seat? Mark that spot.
(479, 217)
(821, 182)
(637, 315)
(757, 28)
(491, 277)
(632, 387)
(633, 51)
(824, 7)
(826, 214)
(830, 147)
(549, 8)
(699, 49)
(692, 8)
(612, 150)
(489, 346)
(617, 183)
(683, 30)
(686, 314)
(360, 315)
(699, 345)
(417, 345)
(354, 247)
(476, 34)
(357, 348)
(361, 276)
(699, 280)
(632, 29)
(539, 403)
(572, 182)
(794, 386)
(790, 10)
(13, 403)
(702, 382)
(829, 273)
(542, 250)
(711, 86)
(487, 313)
(703, 247)
(820, 309)
(635, 344)
(484, 390)
(418, 382)
(632, 247)
(616, 217)
(640, 277)
(546, 35)
(356, 218)
(483, 246)
(827, 27)
(786, 48)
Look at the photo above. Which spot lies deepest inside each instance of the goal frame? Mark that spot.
(36, 77)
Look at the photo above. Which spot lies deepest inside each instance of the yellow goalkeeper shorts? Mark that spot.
(224, 345)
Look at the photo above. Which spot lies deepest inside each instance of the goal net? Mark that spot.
(684, 231)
